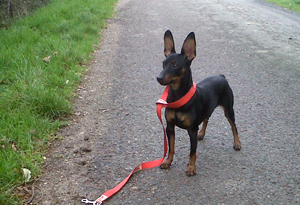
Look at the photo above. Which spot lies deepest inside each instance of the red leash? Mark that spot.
(160, 104)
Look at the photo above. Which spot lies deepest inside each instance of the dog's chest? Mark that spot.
(181, 119)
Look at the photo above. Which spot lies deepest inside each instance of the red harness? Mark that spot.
(160, 104)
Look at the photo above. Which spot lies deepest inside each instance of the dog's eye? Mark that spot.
(164, 63)
(175, 65)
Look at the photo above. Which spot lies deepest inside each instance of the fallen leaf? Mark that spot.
(13, 147)
(47, 59)
(27, 174)
(20, 194)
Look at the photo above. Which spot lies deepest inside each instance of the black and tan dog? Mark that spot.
(211, 92)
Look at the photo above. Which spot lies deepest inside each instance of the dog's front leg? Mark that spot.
(191, 169)
(171, 140)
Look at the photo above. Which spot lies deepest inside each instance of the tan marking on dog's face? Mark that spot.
(176, 80)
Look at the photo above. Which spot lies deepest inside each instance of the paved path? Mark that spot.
(254, 44)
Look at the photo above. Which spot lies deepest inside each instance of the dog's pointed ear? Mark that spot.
(189, 47)
(169, 43)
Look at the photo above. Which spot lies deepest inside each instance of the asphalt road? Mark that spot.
(256, 45)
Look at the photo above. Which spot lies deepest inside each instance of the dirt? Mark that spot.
(114, 126)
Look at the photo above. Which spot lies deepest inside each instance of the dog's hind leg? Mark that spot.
(202, 131)
(229, 114)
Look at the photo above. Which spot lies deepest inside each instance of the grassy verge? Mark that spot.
(293, 5)
(41, 60)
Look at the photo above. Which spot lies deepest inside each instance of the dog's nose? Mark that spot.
(160, 79)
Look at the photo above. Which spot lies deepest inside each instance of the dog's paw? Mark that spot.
(166, 164)
(200, 136)
(191, 170)
(237, 147)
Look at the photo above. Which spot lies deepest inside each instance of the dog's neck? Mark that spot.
(183, 88)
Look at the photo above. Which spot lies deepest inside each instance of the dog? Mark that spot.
(211, 92)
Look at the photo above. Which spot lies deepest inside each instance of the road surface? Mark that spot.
(256, 45)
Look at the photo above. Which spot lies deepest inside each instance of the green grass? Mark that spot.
(36, 93)
(289, 4)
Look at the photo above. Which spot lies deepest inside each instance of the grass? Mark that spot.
(293, 5)
(42, 60)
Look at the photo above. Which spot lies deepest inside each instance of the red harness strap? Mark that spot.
(160, 104)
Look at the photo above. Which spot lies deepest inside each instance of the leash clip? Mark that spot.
(90, 202)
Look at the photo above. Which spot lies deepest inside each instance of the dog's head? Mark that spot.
(176, 65)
